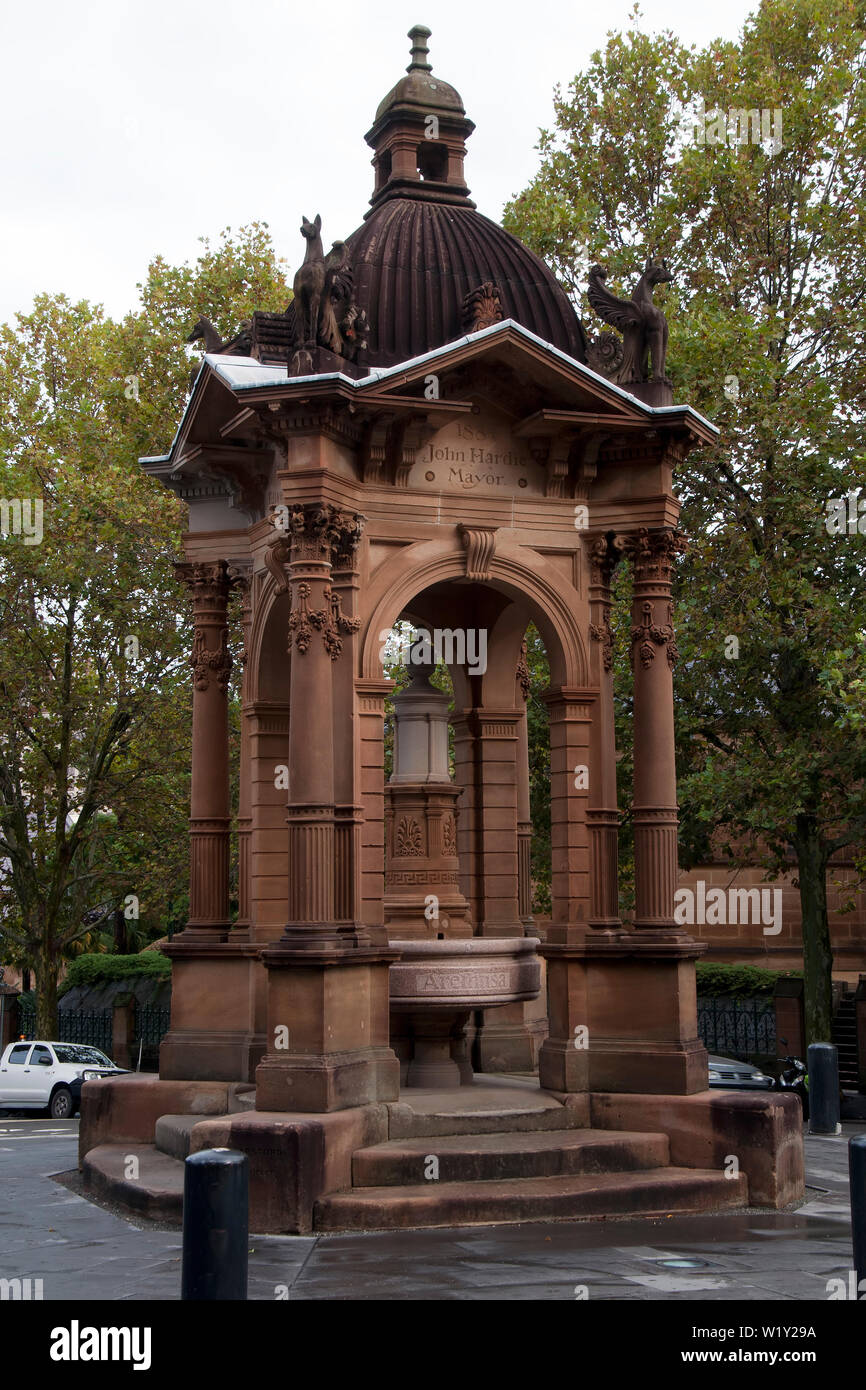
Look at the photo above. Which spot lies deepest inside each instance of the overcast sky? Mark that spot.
(133, 129)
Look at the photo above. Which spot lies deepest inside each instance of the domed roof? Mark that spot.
(415, 259)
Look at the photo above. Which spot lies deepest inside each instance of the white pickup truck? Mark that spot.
(49, 1075)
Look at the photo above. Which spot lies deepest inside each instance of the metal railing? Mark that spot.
(740, 1028)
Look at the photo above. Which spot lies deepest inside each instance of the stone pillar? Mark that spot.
(496, 738)
(245, 814)
(654, 653)
(327, 981)
(602, 813)
(508, 1039)
(212, 1035)
(209, 583)
(524, 811)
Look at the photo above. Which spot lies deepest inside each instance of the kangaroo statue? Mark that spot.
(308, 285)
(643, 326)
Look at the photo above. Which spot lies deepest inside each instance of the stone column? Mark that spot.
(209, 583)
(602, 814)
(245, 814)
(524, 812)
(654, 809)
(212, 1035)
(327, 981)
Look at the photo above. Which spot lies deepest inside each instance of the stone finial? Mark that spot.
(419, 34)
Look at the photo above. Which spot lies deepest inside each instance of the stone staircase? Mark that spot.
(844, 1035)
(537, 1174)
(499, 1151)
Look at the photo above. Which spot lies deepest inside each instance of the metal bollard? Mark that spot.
(824, 1109)
(215, 1225)
(857, 1179)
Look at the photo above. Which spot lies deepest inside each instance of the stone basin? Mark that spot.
(475, 972)
(435, 986)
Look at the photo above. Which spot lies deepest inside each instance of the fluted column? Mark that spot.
(209, 584)
(317, 627)
(653, 654)
(602, 814)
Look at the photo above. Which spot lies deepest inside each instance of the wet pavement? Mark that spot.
(83, 1251)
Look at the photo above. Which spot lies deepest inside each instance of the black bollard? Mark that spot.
(215, 1225)
(857, 1178)
(824, 1108)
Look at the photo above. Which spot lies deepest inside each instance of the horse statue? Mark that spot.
(643, 326)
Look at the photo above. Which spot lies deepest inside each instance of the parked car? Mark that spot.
(726, 1074)
(49, 1075)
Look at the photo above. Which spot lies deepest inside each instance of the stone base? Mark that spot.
(213, 980)
(508, 1039)
(333, 1081)
(762, 1132)
(127, 1109)
(623, 1013)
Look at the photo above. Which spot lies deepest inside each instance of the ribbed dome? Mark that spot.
(414, 261)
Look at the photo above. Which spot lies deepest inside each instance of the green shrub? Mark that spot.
(101, 968)
(738, 980)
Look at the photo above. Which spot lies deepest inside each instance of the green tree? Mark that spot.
(94, 686)
(767, 328)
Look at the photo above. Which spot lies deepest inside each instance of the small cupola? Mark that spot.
(419, 135)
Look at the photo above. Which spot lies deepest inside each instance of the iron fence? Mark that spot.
(740, 1028)
(92, 1026)
(151, 1025)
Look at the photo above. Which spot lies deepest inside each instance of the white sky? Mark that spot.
(133, 129)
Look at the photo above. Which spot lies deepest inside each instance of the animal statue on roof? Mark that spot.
(205, 329)
(326, 313)
(308, 285)
(643, 326)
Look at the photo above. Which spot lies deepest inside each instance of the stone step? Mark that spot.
(490, 1106)
(656, 1192)
(493, 1157)
(155, 1189)
(171, 1134)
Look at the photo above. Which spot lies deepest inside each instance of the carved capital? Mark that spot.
(208, 581)
(653, 552)
(605, 553)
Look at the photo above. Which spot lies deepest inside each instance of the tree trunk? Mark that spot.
(817, 951)
(47, 969)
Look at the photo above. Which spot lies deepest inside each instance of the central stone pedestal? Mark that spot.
(434, 987)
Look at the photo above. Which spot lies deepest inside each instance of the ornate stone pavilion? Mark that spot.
(420, 438)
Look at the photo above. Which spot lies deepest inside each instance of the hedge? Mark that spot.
(100, 968)
(738, 980)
